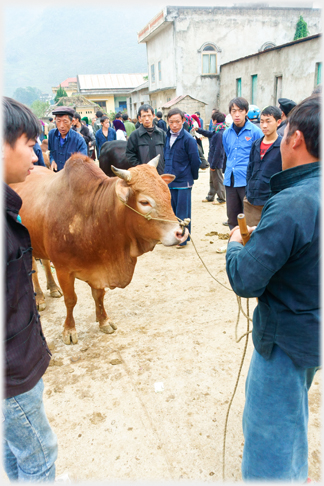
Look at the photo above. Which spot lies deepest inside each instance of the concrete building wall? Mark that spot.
(187, 105)
(295, 63)
(137, 99)
(158, 99)
(160, 49)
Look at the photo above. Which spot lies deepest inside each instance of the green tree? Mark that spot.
(39, 108)
(301, 29)
(59, 94)
(27, 95)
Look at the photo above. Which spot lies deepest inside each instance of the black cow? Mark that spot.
(113, 153)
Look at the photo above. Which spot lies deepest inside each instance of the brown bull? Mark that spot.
(77, 218)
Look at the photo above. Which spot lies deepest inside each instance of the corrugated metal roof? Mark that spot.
(110, 81)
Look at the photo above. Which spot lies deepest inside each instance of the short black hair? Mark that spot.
(118, 114)
(145, 107)
(218, 116)
(242, 103)
(159, 114)
(18, 120)
(317, 90)
(197, 113)
(272, 111)
(125, 116)
(103, 118)
(175, 111)
(99, 114)
(50, 118)
(306, 117)
(77, 116)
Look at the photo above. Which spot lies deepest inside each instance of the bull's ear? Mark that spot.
(168, 178)
(122, 190)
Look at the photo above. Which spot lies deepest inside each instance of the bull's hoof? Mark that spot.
(108, 328)
(41, 306)
(70, 336)
(56, 293)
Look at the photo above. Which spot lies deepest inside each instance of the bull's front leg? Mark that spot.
(66, 282)
(40, 297)
(105, 325)
(52, 286)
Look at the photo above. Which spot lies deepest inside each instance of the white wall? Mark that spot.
(161, 48)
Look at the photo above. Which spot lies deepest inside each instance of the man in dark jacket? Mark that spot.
(82, 129)
(216, 158)
(64, 141)
(265, 160)
(280, 265)
(181, 160)
(29, 444)
(147, 141)
(285, 106)
(161, 123)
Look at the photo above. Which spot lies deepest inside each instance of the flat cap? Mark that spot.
(286, 105)
(63, 110)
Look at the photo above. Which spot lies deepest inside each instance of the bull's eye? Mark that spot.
(144, 203)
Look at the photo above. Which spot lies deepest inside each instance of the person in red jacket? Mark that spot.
(29, 445)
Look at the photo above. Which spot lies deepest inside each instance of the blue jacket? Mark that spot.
(237, 149)
(39, 153)
(161, 124)
(101, 139)
(259, 171)
(182, 159)
(216, 154)
(73, 142)
(280, 265)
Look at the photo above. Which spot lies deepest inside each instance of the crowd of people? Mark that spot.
(272, 177)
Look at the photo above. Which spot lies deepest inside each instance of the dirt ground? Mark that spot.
(175, 326)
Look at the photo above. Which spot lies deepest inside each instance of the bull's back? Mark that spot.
(113, 153)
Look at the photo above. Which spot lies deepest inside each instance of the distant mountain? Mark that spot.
(44, 46)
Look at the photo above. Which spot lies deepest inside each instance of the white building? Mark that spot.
(187, 45)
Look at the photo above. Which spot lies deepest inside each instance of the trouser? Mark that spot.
(29, 444)
(204, 164)
(216, 185)
(252, 212)
(234, 204)
(181, 205)
(275, 419)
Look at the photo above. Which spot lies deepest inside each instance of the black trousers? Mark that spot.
(234, 204)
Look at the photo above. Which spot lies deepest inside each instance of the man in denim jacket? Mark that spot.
(280, 266)
(29, 445)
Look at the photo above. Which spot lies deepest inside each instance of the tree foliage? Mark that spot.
(39, 108)
(59, 94)
(301, 29)
(27, 95)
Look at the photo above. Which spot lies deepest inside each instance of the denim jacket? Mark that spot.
(237, 149)
(74, 142)
(280, 265)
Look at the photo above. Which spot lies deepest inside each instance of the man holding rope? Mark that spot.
(280, 266)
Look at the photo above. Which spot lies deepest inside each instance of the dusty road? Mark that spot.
(176, 326)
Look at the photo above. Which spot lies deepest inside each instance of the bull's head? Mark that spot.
(151, 197)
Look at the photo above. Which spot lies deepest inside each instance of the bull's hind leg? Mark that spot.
(105, 325)
(52, 286)
(66, 282)
(40, 297)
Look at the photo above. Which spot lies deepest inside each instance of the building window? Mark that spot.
(318, 74)
(254, 89)
(160, 72)
(209, 60)
(239, 87)
(278, 88)
(152, 73)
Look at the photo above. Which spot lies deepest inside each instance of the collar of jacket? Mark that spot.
(13, 200)
(181, 134)
(289, 177)
(57, 133)
(142, 130)
(276, 143)
(248, 125)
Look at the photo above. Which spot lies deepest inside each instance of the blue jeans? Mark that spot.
(275, 419)
(29, 444)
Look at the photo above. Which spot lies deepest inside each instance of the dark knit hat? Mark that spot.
(286, 105)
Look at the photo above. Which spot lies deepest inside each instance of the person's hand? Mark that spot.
(53, 165)
(235, 234)
(212, 169)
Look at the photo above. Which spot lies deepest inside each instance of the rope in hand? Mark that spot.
(245, 237)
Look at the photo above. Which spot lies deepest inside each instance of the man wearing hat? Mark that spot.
(285, 106)
(64, 141)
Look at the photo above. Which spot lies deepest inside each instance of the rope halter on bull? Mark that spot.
(127, 176)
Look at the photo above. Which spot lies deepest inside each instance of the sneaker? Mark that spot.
(207, 200)
(225, 223)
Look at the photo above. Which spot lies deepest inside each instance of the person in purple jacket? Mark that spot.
(29, 446)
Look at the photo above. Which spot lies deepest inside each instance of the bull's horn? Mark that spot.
(122, 173)
(154, 162)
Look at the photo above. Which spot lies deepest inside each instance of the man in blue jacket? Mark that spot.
(63, 141)
(280, 265)
(237, 141)
(181, 160)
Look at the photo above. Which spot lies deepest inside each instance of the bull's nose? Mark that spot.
(180, 235)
